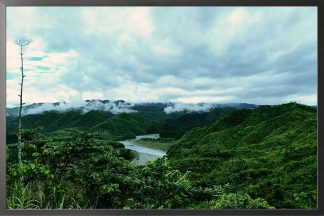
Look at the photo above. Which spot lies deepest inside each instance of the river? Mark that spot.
(145, 154)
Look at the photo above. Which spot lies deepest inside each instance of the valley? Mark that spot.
(134, 108)
(146, 153)
(266, 155)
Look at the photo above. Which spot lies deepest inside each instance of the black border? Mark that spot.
(10, 3)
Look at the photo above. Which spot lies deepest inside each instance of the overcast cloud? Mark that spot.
(261, 55)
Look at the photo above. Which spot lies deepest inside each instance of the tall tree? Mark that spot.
(21, 43)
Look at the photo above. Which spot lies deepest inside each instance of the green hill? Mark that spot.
(120, 126)
(127, 125)
(178, 123)
(54, 120)
(269, 152)
(148, 118)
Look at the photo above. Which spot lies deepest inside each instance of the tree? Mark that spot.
(21, 43)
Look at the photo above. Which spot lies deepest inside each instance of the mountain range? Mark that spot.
(121, 106)
(264, 151)
(118, 119)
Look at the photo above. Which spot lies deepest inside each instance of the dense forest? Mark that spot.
(227, 157)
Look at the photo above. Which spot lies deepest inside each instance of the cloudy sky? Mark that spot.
(261, 55)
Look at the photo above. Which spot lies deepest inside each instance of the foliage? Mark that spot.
(238, 200)
(178, 123)
(127, 126)
(32, 196)
(70, 168)
(248, 159)
(81, 172)
(269, 152)
(116, 127)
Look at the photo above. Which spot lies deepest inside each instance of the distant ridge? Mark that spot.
(121, 106)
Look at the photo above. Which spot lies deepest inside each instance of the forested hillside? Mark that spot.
(120, 126)
(224, 158)
(177, 123)
(269, 152)
(148, 118)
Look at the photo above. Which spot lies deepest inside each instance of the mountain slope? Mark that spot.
(268, 152)
(127, 125)
(53, 120)
(120, 126)
(177, 123)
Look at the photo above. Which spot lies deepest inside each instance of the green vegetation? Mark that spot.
(127, 126)
(260, 158)
(82, 173)
(269, 152)
(178, 123)
(113, 127)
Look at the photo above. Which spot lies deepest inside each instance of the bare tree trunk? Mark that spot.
(20, 102)
(21, 43)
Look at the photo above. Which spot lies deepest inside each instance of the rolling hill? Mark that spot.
(178, 123)
(120, 126)
(268, 152)
(118, 118)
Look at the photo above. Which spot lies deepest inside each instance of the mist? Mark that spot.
(114, 107)
(189, 107)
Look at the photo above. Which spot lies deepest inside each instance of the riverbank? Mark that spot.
(146, 153)
(154, 144)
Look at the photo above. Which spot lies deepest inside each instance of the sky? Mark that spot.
(259, 55)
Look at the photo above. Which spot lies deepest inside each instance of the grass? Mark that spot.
(32, 196)
(154, 144)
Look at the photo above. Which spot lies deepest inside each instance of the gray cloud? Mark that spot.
(258, 55)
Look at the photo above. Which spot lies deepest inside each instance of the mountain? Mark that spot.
(157, 111)
(239, 105)
(268, 152)
(172, 120)
(114, 107)
(178, 123)
(121, 126)
(127, 125)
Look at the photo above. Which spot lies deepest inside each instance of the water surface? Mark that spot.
(145, 154)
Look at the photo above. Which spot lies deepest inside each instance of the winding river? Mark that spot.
(145, 154)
